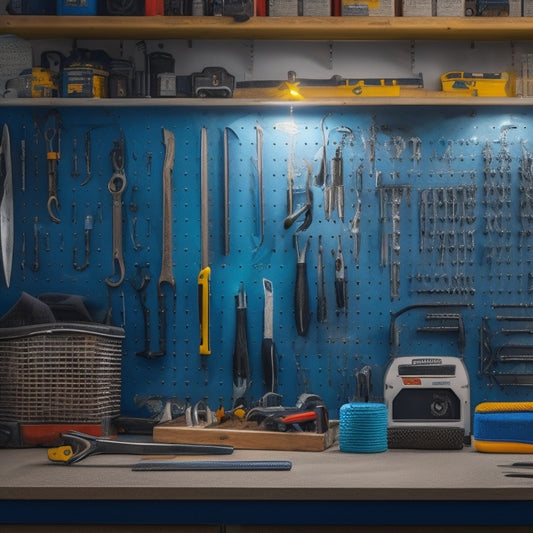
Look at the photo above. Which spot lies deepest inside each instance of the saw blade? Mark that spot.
(6, 207)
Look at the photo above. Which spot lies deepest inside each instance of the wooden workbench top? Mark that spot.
(27, 474)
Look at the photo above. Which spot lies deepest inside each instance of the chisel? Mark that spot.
(301, 291)
(204, 277)
(268, 350)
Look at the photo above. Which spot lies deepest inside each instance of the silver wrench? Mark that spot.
(116, 186)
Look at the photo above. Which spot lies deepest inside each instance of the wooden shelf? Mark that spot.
(260, 102)
(270, 28)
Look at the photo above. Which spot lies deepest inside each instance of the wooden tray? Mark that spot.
(245, 437)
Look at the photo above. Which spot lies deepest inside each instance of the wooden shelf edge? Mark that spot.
(269, 28)
(435, 101)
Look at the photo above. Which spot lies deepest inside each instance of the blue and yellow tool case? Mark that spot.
(503, 427)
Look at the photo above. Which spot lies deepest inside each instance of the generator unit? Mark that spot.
(428, 396)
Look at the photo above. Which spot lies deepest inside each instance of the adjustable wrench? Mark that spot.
(116, 186)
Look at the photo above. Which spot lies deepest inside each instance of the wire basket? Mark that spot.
(60, 373)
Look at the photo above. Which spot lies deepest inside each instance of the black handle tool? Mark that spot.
(301, 290)
(241, 361)
(268, 350)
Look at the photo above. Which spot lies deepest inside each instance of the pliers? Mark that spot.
(77, 446)
(200, 412)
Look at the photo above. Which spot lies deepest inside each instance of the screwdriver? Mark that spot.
(241, 362)
(301, 290)
(268, 351)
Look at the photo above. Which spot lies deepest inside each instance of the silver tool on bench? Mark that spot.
(78, 446)
(163, 466)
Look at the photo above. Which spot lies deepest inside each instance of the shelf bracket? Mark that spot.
(412, 55)
(251, 57)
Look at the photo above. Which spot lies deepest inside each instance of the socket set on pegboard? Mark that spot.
(321, 220)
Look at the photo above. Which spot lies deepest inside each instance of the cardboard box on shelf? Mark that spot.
(417, 8)
(377, 8)
(450, 8)
(296, 8)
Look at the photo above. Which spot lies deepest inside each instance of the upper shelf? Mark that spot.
(271, 28)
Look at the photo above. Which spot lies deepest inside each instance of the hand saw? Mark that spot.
(6, 206)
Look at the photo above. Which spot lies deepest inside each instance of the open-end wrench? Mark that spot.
(116, 186)
(77, 446)
(52, 157)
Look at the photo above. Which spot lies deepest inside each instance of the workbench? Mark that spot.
(397, 487)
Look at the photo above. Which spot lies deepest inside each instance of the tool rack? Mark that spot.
(431, 226)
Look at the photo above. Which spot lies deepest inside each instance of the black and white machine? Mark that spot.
(428, 397)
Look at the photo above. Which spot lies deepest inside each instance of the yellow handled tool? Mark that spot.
(203, 299)
(204, 277)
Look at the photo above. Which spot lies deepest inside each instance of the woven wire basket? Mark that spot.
(60, 373)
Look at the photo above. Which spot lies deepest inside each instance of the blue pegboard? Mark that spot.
(445, 218)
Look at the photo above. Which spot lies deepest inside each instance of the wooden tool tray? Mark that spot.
(245, 435)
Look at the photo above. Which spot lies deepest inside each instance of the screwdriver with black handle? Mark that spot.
(301, 290)
(241, 360)
(340, 279)
(268, 349)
